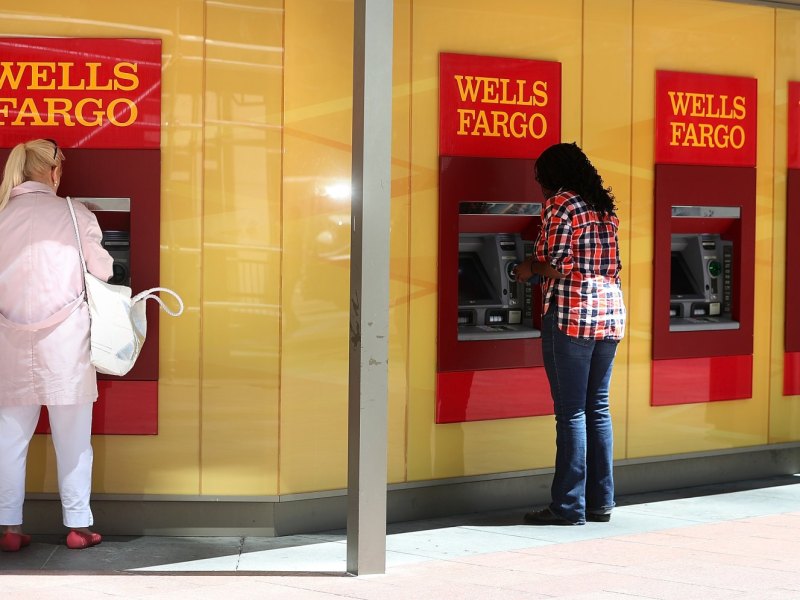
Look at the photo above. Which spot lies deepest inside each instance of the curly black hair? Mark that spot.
(566, 166)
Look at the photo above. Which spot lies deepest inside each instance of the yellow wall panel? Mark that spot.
(316, 244)
(399, 272)
(784, 413)
(695, 35)
(241, 247)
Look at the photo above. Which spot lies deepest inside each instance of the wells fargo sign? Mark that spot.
(705, 119)
(498, 107)
(85, 93)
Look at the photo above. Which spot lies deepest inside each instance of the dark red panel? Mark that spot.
(679, 185)
(791, 374)
(478, 180)
(494, 394)
(710, 379)
(123, 408)
(792, 316)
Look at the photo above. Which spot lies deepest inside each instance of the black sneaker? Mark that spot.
(598, 517)
(546, 517)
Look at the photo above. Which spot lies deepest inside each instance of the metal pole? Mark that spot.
(369, 287)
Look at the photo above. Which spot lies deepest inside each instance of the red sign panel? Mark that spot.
(498, 107)
(84, 93)
(705, 119)
(794, 125)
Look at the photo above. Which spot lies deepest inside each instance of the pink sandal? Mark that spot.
(12, 542)
(78, 540)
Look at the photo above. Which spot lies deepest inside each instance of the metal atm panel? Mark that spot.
(701, 283)
(492, 304)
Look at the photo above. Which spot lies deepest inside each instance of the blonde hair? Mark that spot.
(33, 158)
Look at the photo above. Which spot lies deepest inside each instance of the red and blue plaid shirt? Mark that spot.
(583, 245)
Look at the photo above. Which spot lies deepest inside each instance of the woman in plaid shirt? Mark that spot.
(577, 255)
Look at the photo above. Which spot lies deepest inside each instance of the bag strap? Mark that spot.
(77, 234)
(54, 319)
(149, 295)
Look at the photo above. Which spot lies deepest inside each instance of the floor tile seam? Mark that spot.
(716, 553)
(662, 514)
(699, 586)
(610, 534)
(610, 570)
(699, 521)
(428, 557)
(284, 585)
(533, 549)
(239, 554)
(676, 531)
(476, 567)
(49, 557)
(511, 534)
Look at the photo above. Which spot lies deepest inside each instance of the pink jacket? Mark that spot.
(41, 280)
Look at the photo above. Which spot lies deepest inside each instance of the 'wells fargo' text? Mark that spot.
(71, 102)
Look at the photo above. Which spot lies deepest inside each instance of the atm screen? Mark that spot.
(474, 286)
(681, 280)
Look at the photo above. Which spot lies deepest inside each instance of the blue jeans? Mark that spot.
(579, 372)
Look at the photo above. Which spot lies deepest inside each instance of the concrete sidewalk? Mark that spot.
(737, 541)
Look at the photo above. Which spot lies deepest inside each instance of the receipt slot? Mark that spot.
(702, 284)
(489, 358)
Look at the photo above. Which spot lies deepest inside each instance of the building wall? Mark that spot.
(255, 229)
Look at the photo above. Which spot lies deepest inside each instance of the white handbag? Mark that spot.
(118, 321)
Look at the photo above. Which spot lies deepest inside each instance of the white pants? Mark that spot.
(71, 427)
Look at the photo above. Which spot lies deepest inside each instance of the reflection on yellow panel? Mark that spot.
(241, 248)
(316, 244)
(784, 412)
(521, 29)
(399, 281)
(687, 35)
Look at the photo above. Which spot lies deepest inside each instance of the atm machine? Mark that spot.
(489, 357)
(703, 295)
(492, 304)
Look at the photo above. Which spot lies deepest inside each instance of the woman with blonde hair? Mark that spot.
(44, 337)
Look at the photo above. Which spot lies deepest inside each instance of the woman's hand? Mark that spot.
(528, 268)
(523, 271)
